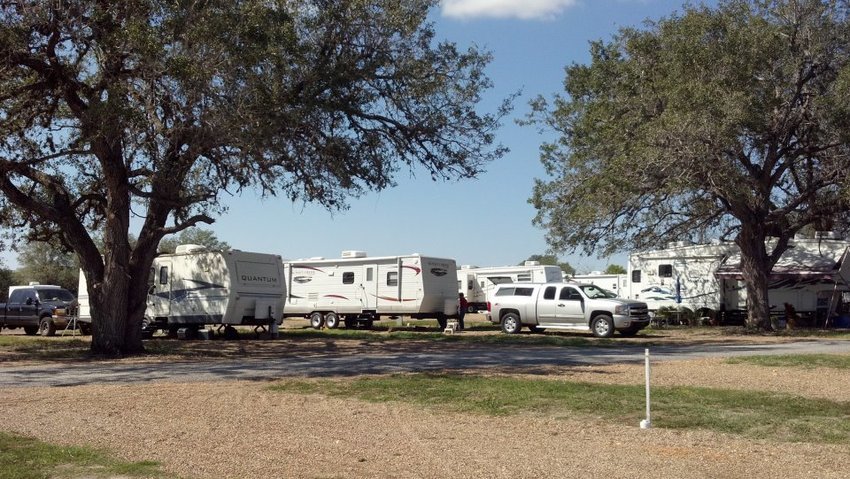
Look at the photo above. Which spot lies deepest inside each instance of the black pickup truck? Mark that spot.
(37, 308)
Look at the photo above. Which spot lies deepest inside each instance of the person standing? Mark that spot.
(462, 305)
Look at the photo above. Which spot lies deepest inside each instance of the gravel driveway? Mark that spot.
(418, 357)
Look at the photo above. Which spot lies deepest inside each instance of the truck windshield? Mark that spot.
(595, 292)
(55, 295)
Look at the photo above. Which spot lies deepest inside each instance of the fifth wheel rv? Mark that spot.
(357, 289)
(477, 284)
(195, 287)
(811, 277)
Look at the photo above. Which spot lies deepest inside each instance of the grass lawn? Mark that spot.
(754, 414)
(27, 458)
(805, 361)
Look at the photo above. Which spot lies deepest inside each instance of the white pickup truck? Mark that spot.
(565, 306)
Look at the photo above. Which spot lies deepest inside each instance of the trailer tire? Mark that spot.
(602, 326)
(511, 324)
(317, 320)
(350, 322)
(30, 330)
(46, 327)
(331, 320)
(85, 328)
(367, 323)
(442, 322)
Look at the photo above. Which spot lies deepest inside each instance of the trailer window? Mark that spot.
(523, 278)
(665, 270)
(636, 276)
(163, 275)
(392, 278)
(348, 278)
(470, 285)
(549, 293)
(368, 274)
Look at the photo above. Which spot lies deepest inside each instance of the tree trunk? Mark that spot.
(755, 267)
(115, 330)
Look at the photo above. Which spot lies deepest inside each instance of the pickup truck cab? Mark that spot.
(565, 306)
(37, 308)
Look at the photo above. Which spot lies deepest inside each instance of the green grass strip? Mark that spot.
(27, 458)
(753, 414)
(804, 361)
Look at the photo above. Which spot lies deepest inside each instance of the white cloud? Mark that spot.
(522, 9)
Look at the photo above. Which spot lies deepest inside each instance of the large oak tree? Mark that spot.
(729, 121)
(154, 108)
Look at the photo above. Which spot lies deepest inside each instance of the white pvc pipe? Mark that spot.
(646, 423)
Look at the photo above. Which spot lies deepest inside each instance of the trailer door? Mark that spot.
(370, 286)
(159, 294)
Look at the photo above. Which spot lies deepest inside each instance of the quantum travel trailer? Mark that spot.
(477, 284)
(357, 289)
(811, 276)
(195, 287)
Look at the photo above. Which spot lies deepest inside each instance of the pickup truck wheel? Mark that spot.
(536, 329)
(46, 327)
(317, 320)
(30, 330)
(511, 323)
(332, 320)
(603, 326)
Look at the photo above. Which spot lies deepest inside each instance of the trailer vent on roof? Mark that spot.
(189, 248)
(353, 254)
(532, 263)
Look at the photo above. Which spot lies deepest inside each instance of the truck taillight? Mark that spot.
(488, 307)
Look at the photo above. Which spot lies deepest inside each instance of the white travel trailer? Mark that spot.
(811, 277)
(616, 283)
(477, 284)
(195, 287)
(358, 289)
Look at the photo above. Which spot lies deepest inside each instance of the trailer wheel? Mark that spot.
(46, 326)
(85, 329)
(367, 323)
(332, 320)
(30, 330)
(350, 322)
(511, 323)
(442, 321)
(317, 320)
(602, 326)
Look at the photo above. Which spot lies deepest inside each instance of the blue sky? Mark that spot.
(485, 221)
